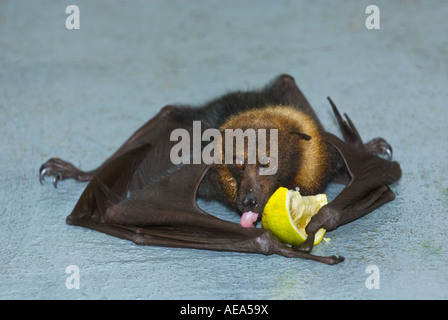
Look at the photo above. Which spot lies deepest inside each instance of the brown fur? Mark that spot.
(302, 163)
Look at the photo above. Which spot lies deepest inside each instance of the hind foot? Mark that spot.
(62, 170)
(380, 148)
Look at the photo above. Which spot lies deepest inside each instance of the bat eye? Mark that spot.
(239, 163)
(266, 162)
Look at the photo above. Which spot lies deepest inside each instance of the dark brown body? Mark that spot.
(162, 210)
(305, 160)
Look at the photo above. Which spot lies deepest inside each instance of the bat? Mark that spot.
(139, 194)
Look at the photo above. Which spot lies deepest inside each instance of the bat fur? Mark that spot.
(140, 195)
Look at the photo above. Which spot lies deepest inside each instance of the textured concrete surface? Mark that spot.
(78, 94)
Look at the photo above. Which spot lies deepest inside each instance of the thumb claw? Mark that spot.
(56, 179)
(306, 246)
(42, 173)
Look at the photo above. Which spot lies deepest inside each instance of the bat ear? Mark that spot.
(301, 135)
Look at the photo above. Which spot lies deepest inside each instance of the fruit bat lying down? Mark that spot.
(146, 191)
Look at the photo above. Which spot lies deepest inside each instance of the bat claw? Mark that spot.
(306, 246)
(47, 170)
(42, 173)
(56, 178)
(62, 170)
(335, 259)
(381, 148)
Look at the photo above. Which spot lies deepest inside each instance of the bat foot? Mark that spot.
(306, 246)
(61, 170)
(380, 148)
(335, 260)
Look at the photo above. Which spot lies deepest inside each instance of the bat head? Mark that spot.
(277, 148)
(251, 180)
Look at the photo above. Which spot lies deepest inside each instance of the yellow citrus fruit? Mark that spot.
(287, 214)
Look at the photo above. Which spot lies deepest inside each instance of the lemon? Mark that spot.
(287, 213)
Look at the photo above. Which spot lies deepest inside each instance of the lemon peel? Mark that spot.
(287, 214)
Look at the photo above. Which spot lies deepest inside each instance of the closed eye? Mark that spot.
(239, 163)
(266, 162)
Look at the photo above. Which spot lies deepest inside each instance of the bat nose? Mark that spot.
(250, 201)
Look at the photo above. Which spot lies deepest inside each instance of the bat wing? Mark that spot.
(165, 212)
(367, 188)
(285, 89)
(151, 133)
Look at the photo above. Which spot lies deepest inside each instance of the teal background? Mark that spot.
(78, 94)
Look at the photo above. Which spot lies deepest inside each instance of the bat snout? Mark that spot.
(250, 201)
(253, 201)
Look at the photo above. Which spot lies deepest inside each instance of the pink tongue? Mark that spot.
(248, 219)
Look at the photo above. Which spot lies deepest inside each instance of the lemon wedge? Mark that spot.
(287, 214)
